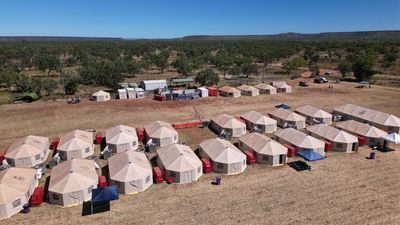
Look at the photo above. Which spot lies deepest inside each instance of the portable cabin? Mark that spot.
(16, 187)
(384, 121)
(28, 151)
(131, 94)
(161, 133)
(228, 125)
(122, 94)
(340, 140)
(286, 118)
(122, 138)
(371, 134)
(224, 156)
(299, 140)
(212, 91)
(77, 144)
(72, 182)
(101, 96)
(203, 92)
(248, 90)
(179, 163)
(266, 89)
(227, 91)
(266, 150)
(314, 115)
(130, 171)
(258, 122)
(139, 92)
(151, 85)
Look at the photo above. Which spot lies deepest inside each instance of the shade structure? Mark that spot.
(385, 121)
(341, 140)
(300, 140)
(225, 157)
(370, 133)
(180, 163)
(286, 118)
(228, 91)
(28, 151)
(314, 115)
(310, 155)
(122, 138)
(77, 144)
(161, 133)
(258, 122)
(266, 89)
(228, 124)
(248, 90)
(16, 187)
(105, 194)
(101, 96)
(131, 171)
(267, 151)
(72, 182)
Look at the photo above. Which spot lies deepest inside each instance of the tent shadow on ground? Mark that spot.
(46, 189)
(99, 207)
(299, 165)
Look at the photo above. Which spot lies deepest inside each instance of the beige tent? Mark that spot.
(122, 138)
(299, 140)
(28, 151)
(72, 182)
(248, 90)
(341, 140)
(180, 163)
(228, 91)
(101, 96)
(266, 89)
(16, 187)
(228, 124)
(371, 134)
(281, 86)
(286, 118)
(77, 144)
(314, 115)
(224, 156)
(161, 133)
(130, 171)
(266, 150)
(384, 121)
(259, 122)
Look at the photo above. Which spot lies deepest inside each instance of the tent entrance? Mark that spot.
(281, 157)
(354, 147)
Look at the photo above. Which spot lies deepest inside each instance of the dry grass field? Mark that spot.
(343, 189)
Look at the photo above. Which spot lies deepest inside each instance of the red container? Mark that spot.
(54, 143)
(328, 145)
(140, 134)
(159, 98)
(37, 197)
(102, 181)
(250, 158)
(361, 140)
(212, 91)
(291, 150)
(2, 153)
(99, 138)
(158, 175)
(186, 125)
(207, 167)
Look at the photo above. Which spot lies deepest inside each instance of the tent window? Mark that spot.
(16, 203)
(339, 145)
(265, 157)
(55, 197)
(147, 179)
(134, 143)
(175, 137)
(90, 189)
(172, 174)
(37, 157)
(220, 166)
(244, 162)
(199, 170)
(87, 150)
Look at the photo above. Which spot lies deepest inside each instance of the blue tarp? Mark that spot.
(310, 155)
(105, 194)
(282, 106)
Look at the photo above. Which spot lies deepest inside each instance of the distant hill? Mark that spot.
(395, 34)
(56, 38)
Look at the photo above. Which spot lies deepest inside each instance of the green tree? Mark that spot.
(71, 85)
(48, 62)
(314, 68)
(389, 59)
(207, 77)
(249, 68)
(183, 66)
(49, 86)
(363, 68)
(344, 67)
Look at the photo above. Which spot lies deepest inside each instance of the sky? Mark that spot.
(177, 18)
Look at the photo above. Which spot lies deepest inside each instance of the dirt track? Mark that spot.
(343, 189)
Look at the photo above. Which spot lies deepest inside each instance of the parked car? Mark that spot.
(320, 80)
(293, 77)
(303, 84)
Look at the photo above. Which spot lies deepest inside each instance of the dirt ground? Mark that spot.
(343, 189)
